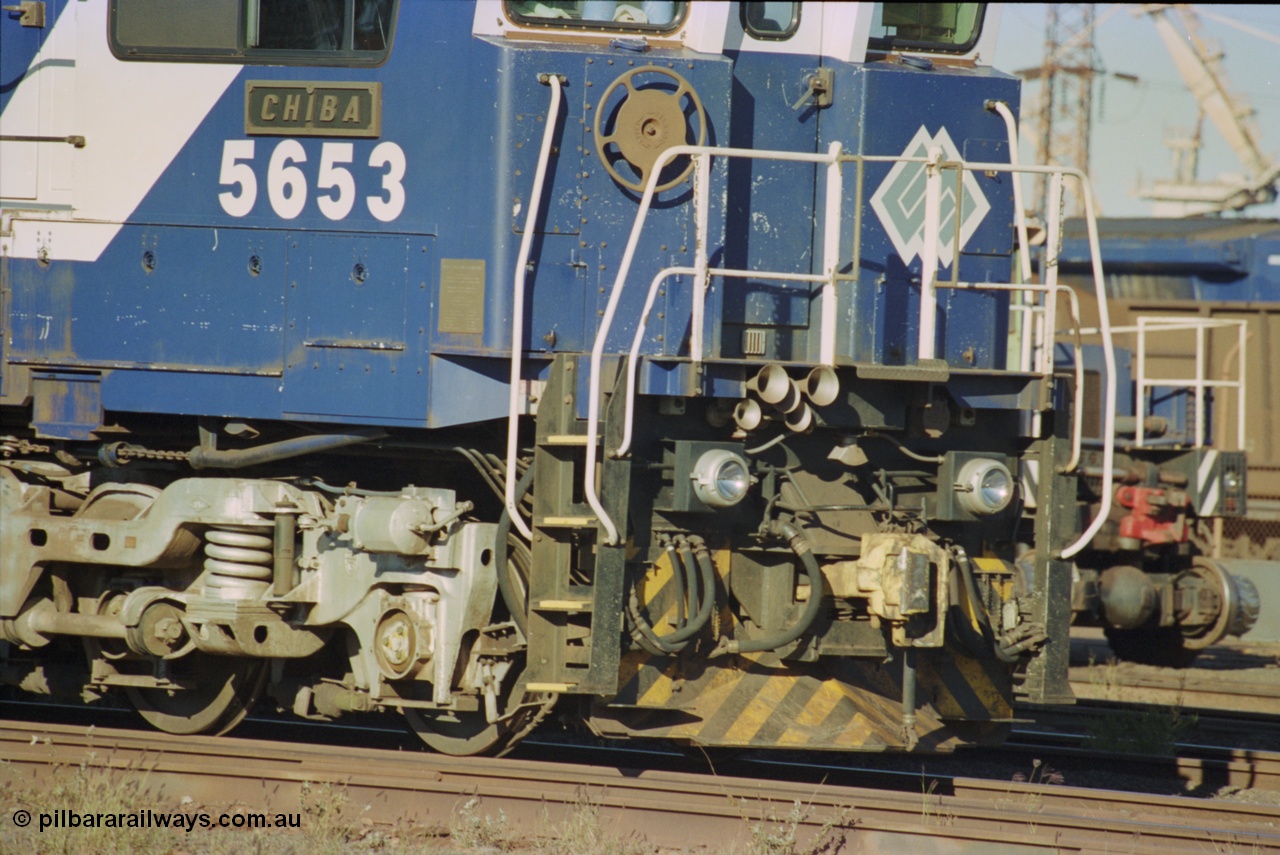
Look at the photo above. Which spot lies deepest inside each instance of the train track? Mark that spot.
(1235, 678)
(670, 809)
(1189, 691)
(1057, 738)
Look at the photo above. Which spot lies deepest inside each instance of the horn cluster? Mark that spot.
(786, 397)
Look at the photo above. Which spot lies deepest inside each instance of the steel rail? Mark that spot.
(669, 809)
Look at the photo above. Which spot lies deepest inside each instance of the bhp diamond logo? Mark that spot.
(899, 201)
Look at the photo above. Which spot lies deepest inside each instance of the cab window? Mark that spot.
(927, 27)
(279, 32)
(658, 16)
(770, 21)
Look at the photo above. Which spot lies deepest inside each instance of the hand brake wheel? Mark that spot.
(648, 122)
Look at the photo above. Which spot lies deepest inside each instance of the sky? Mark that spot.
(1130, 119)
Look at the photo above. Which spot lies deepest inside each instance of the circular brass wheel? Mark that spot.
(648, 122)
(224, 690)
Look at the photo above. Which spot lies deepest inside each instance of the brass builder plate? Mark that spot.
(461, 296)
(312, 108)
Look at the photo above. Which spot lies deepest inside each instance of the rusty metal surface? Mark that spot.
(668, 809)
(1240, 677)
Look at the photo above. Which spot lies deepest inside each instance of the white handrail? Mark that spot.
(1019, 213)
(590, 486)
(1104, 329)
(625, 445)
(1053, 241)
(1020, 224)
(702, 214)
(1109, 360)
(517, 309)
(1077, 422)
(831, 256)
(1200, 326)
(928, 331)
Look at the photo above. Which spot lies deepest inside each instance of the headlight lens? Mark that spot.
(732, 480)
(985, 486)
(720, 478)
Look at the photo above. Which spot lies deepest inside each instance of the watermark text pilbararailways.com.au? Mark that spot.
(147, 818)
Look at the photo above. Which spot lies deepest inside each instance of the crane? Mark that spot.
(1199, 62)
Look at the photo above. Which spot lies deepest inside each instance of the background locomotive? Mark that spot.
(1193, 303)
(463, 359)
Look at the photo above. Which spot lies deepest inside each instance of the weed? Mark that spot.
(325, 816)
(87, 789)
(771, 834)
(926, 790)
(1153, 732)
(470, 829)
(1105, 677)
(1030, 802)
(930, 802)
(1040, 774)
(584, 833)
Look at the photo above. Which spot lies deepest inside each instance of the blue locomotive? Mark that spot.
(462, 359)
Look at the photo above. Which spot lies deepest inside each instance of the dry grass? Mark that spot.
(331, 824)
(584, 832)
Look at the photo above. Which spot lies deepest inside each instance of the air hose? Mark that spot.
(1008, 650)
(514, 606)
(687, 555)
(800, 545)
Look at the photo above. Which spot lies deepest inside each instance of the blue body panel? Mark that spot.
(192, 310)
(1231, 260)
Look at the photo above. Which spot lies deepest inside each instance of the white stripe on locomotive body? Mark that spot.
(1207, 485)
(135, 116)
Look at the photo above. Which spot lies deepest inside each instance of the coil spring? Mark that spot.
(237, 563)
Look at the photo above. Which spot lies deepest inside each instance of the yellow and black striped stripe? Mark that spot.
(746, 701)
(756, 700)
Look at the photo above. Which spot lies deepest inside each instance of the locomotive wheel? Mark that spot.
(226, 688)
(464, 734)
(1164, 646)
(648, 122)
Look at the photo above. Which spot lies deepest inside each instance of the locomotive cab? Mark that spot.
(465, 360)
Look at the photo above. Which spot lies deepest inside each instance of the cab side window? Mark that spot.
(770, 21)
(927, 27)
(278, 32)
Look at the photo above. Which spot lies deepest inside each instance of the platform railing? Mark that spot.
(835, 160)
(1198, 385)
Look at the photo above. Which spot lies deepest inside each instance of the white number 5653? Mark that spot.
(287, 183)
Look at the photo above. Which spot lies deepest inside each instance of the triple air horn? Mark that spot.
(773, 386)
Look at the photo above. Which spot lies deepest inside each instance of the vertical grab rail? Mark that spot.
(831, 255)
(929, 255)
(1109, 360)
(701, 279)
(517, 308)
(1020, 224)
